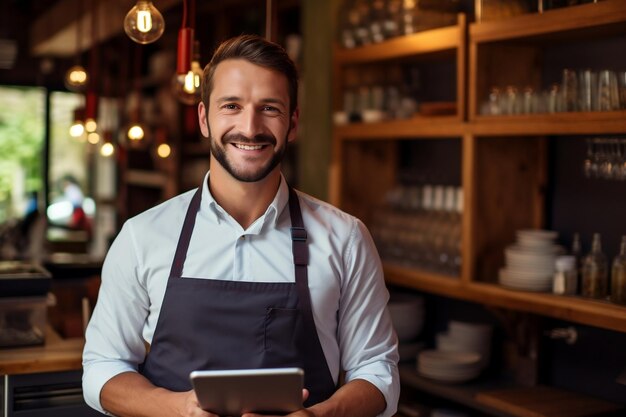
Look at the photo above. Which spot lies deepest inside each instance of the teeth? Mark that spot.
(248, 147)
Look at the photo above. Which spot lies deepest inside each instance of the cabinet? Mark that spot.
(505, 163)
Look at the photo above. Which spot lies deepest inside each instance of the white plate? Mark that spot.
(539, 234)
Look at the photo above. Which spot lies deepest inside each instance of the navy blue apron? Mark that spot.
(223, 324)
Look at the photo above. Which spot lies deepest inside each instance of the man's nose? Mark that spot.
(250, 123)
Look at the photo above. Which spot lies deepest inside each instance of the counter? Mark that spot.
(57, 354)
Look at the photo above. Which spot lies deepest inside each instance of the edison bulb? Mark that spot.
(135, 132)
(107, 149)
(164, 150)
(187, 86)
(77, 129)
(144, 23)
(93, 138)
(90, 125)
(76, 78)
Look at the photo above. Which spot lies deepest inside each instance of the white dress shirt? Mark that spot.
(348, 292)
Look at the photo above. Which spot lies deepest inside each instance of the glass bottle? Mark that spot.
(618, 276)
(595, 271)
(577, 253)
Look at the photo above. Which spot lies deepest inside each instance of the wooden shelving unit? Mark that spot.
(505, 172)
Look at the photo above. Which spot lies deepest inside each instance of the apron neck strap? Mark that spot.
(185, 235)
(298, 232)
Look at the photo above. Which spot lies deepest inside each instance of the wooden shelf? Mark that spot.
(602, 17)
(427, 42)
(504, 398)
(463, 394)
(575, 309)
(423, 280)
(419, 126)
(574, 123)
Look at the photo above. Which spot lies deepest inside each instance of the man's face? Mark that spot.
(248, 119)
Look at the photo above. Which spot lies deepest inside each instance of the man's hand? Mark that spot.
(192, 407)
(130, 394)
(300, 413)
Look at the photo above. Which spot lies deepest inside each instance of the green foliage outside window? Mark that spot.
(21, 144)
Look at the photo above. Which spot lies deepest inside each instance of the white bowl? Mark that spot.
(407, 315)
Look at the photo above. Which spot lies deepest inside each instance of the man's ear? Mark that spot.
(293, 125)
(203, 119)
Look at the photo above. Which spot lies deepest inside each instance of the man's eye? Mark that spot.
(269, 108)
(230, 106)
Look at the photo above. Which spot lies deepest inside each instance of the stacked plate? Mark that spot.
(467, 337)
(530, 262)
(449, 366)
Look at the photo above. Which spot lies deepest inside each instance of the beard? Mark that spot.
(242, 174)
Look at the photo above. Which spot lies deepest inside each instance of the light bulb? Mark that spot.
(93, 138)
(90, 125)
(77, 129)
(135, 132)
(107, 149)
(76, 78)
(164, 150)
(144, 23)
(187, 86)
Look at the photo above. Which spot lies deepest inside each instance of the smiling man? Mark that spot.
(243, 272)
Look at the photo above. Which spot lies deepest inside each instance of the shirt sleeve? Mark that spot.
(367, 340)
(113, 339)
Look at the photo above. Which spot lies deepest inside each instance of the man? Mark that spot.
(245, 272)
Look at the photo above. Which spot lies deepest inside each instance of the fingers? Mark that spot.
(305, 394)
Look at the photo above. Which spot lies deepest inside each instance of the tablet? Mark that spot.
(234, 392)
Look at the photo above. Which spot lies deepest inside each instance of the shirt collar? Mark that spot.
(216, 213)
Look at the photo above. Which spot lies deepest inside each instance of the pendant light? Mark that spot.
(186, 82)
(91, 97)
(107, 149)
(135, 131)
(144, 23)
(77, 129)
(76, 77)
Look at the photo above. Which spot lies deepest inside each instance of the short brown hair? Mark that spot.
(258, 51)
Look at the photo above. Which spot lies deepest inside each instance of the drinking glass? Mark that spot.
(569, 88)
(621, 83)
(587, 90)
(608, 92)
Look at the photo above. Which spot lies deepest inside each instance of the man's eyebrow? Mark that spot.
(273, 100)
(228, 98)
(269, 100)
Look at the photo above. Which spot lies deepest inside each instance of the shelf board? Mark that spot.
(154, 179)
(427, 42)
(464, 394)
(423, 280)
(608, 15)
(418, 126)
(572, 123)
(504, 398)
(596, 313)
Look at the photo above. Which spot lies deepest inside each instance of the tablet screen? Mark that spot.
(234, 392)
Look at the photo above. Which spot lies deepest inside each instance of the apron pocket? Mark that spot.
(282, 329)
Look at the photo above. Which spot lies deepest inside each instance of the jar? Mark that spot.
(566, 276)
